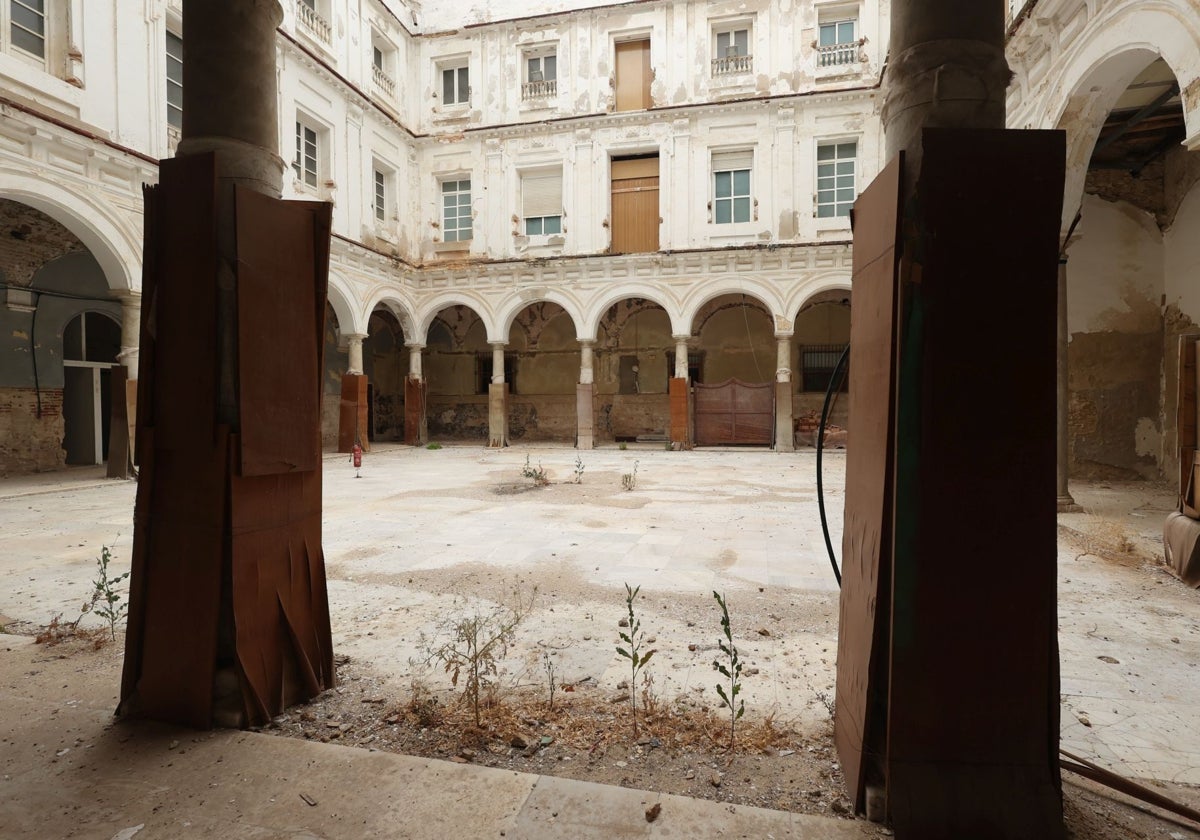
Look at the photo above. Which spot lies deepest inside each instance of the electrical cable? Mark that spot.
(835, 385)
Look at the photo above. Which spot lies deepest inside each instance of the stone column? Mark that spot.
(498, 398)
(678, 392)
(131, 322)
(354, 417)
(416, 420)
(585, 421)
(354, 347)
(784, 437)
(1066, 503)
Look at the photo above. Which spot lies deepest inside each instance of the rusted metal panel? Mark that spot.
(973, 694)
(278, 381)
(1188, 423)
(678, 390)
(352, 413)
(414, 410)
(859, 731)
(119, 438)
(734, 412)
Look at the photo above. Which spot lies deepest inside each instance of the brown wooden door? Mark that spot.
(635, 205)
(633, 75)
(735, 412)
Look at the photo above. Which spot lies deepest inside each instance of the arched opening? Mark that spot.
(545, 369)
(385, 363)
(458, 370)
(336, 361)
(91, 342)
(1131, 287)
(632, 369)
(821, 331)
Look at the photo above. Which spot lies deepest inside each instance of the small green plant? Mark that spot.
(474, 643)
(578, 469)
(633, 640)
(106, 600)
(731, 669)
(551, 673)
(667, 446)
(433, 444)
(622, 446)
(629, 479)
(535, 474)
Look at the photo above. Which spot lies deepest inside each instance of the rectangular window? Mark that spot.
(732, 52)
(456, 210)
(456, 85)
(383, 63)
(836, 188)
(27, 26)
(541, 76)
(633, 75)
(305, 163)
(541, 202)
(377, 58)
(174, 80)
(817, 364)
(380, 196)
(837, 43)
(731, 186)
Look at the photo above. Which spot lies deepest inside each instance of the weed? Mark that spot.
(668, 446)
(105, 594)
(476, 642)
(578, 469)
(629, 479)
(633, 640)
(433, 444)
(548, 666)
(622, 446)
(731, 669)
(423, 706)
(535, 474)
(827, 700)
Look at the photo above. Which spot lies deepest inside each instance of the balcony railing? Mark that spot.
(539, 90)
(834, 54)
(382, 80)
(726, 65)
(313, 22)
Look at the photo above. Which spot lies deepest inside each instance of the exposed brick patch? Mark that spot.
(28, 240)
(27, 443)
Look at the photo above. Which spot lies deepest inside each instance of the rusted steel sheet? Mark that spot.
(414, 410)
(1188, 423)
(973, 702)
(352, 413)
(678, 391)
(866, 540)
(1181, 540)
(734, 412)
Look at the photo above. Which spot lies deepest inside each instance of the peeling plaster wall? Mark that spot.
(1115, 288)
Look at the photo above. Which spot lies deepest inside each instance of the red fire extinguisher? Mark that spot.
(356, 456)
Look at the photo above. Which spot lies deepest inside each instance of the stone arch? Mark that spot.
(600, 305)
(730, 285)
(115, 242)
(341, 301)
(403, 310)
(430, 308)
(801, 296)
(507, 311)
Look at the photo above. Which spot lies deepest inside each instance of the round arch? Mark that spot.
(511, 307)
(398, 306)
(340, 300)
(694, 301)
(430, 308)
(113, 241)
(800, 297)
(600, 305)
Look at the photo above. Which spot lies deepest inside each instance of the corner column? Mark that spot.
(416, 423)
(498, 399)
(585, 421)
(784, 438)
(354, 412)
(678, 393)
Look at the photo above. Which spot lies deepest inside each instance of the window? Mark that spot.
(817, 364)
(541, 76)
(732, 53)
(456, 210)
(383, 62)
(835, 178)
(836, 43)
(633, 75)
(483, 372)
(313, 21)
(456, 85)
(305, 163)
(731, 186)
(174, 80)
(541, 202)
(27, 27)
(381, 180)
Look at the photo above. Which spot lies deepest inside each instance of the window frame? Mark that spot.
(542, 219)
(722, 65)
(444, 219)
(379, 197)
(383, 71)
(456, 67)
(299, 170)
(837, 204)
(717, 200)
(171, 60)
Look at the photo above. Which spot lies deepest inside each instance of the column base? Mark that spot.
(498, 414)
(1066, 504)
(352, 413)
(785, 439)
(416, 424)
(678, 389)
(585, 421)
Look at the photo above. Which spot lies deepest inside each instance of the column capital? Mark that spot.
(498, 345)
(587, 342)
(680, 339)
(415, 345)
(784, 336)
(359, 337)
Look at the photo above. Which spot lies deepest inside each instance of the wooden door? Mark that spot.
(633, 75)
(735, 412)
(635, 217)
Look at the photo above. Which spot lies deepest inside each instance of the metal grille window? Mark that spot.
(456, 85)
(305, 163)
(174, 80)
(541, 202)
(817, 363)
(731, 186)
(456, 210)
(27, 26)
(837, 44)
(836, 188)
(380, 195)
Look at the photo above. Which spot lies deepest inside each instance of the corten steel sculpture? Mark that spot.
(947, 677)
(229, 618)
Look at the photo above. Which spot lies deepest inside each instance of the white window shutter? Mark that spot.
(541, 194)
(732, 160)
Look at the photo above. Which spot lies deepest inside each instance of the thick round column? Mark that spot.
(131, 324)
(354, 346)
(681, 356)
(783, 359)
(414, 359)
(498, 362)
(587, 373)
(947, 69)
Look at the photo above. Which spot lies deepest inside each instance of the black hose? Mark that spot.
(835, 384)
